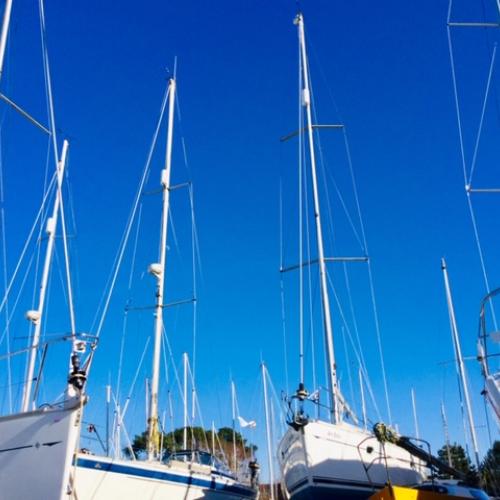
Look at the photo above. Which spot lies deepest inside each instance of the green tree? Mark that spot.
(197, 438)
(461, 462)
(490, 470)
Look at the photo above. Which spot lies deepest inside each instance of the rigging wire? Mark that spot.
(348, 363)
(125, 315)
(356, 332)
(122, 428)
(282, 293)
(106, 298)
(362, 241)
(177, 378)
(280, 403)
(50, 104)
(322, 164)
(43, 221)
(195, 291)
(353, 314)
(483, 111)
(165, 361)
(481, 255)
(462, 155)
(322, 156)
(358, 357)
(66, 261)
(310, 289)
(174, 237)
(16, 302)
(190, 176)
(455, 91)
(197, 402)
(58, 194)
(370, 278)
(26, 245)
(3, 237)
(38, 377)
(48, 83)
(136, 376)
(29, 238)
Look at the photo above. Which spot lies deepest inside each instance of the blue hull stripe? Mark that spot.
(88, 463)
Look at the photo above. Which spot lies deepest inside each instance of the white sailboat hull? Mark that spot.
(336, 461)
(36, 453)
(103, 478)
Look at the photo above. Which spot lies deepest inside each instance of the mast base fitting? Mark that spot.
(77, 379)
(301, 393)
(299, 421)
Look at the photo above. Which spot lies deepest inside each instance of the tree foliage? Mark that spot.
(488, 476)
(490, 470)
(461, 462)
(197, 438)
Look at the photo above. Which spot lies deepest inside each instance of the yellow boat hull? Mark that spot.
(399, 493)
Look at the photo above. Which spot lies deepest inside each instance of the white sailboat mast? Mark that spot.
(327, 319)
(446, 435)
(233, 408)
(5, 32)
(36, 316)
(363, 404)
(268, 432)
(460, 361)
(185, 435)
(158, 270)
(414, 407)
(213, 438)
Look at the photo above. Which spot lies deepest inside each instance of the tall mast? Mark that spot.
(213, 438)
(185, 434)
(446, 435)
(5, 32)
(268, 432)
(327, 319)
(36, 316)
(459, 360)
(363, 404)
(233, 408)
(118, 432)
(158, 270)
(414, 407)
(108, 404)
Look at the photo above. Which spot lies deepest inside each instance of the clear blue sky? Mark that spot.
(387, 67)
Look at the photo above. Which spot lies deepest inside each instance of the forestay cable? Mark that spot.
(455, 91)
(25, 248)
(105, 301)
(282, 294)
(483, 111)
(363, 243)
(358, 357)
(50, 103)
(467, 179)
